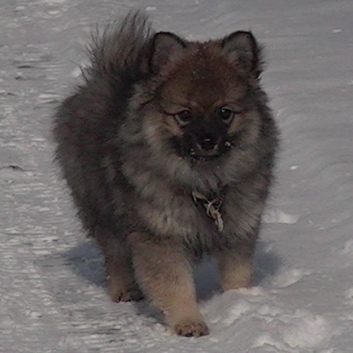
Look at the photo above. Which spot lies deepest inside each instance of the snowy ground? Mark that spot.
(52, 292)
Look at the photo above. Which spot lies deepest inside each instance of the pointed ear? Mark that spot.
(243, 47)
(165, 48)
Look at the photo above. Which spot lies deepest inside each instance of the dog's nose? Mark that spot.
(207, 143)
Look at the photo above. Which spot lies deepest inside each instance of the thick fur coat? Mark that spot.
(168, 148)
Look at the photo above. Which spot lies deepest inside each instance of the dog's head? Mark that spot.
(203, 96)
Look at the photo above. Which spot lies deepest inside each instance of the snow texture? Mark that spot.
(53, 296)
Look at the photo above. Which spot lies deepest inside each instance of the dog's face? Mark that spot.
(205, 104)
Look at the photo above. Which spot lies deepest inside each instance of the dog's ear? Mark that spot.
(165, 48)
(244, 49)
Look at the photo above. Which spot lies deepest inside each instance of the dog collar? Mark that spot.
(211, 207)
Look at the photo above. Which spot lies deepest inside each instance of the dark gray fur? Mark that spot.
(124, 184)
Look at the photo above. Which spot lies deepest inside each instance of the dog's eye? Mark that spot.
(226, 114)
(183, 117)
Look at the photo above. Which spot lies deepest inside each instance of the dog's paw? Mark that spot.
(191, 328)
(133, 294)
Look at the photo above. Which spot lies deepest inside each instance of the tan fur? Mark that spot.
(236, 267)
(169, 283)
(120, 274)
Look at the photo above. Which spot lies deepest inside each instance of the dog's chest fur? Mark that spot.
(173, 213)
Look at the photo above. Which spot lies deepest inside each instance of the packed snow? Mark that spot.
(53, 295)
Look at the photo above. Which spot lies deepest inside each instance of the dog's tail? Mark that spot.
(116, 49)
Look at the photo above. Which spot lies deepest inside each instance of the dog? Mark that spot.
(168, 148)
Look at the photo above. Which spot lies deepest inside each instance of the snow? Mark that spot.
(52, 291)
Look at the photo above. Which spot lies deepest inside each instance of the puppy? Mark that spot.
(168, 149)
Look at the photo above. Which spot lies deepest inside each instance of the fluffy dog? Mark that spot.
(168, 148)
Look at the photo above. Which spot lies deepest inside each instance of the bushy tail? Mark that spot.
(116, 49)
